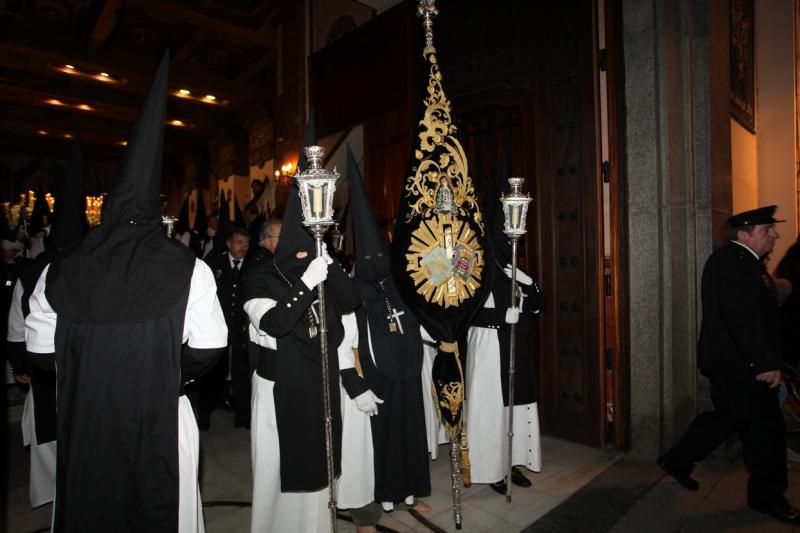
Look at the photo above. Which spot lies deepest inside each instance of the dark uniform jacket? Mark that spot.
(740, 334)
(230, 299)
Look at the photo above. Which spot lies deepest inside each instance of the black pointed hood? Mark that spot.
(238, 217)
(135, 190)
(372, 255)
(294, 238)
(40, 215)
(182, 224)
(223, 219)
(200, 222)
(494, 219)
(126, 269)
(69, 216)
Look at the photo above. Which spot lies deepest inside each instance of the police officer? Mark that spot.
(227, 269)
(739, 350)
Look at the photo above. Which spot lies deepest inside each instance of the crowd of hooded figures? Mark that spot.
(110, 325)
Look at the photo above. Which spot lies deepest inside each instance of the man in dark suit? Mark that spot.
(227, 268)
(739, 350)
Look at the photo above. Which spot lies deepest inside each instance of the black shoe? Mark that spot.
(518, 479)
(204, 423)
(683, 478)
(499, 487)
(783, 511)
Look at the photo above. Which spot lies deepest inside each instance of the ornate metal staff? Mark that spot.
(515, 210)
(317, 187)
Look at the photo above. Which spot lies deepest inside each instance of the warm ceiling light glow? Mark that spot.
(42, 132)
(123, 143)
(287, 167)
(176, 122)
(185, 92)
(53, 101)
(71, 67)
(104, 74)
(86, 107)
(211, 97)
(68, 136)
(277, 173)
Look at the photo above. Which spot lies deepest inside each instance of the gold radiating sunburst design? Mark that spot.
(445, 260)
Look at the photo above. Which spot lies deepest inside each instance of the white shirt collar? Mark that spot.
(231, 259)
(743, 245)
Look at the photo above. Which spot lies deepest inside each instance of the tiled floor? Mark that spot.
(719, 505)
(226, 477)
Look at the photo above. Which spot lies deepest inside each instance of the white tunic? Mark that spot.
(43, 456)
(274, 510)
(203, 328)
(356, 486)
(487, 417)
(434, 429)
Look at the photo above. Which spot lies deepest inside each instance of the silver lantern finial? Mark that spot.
(317, 187)
(515, 209)
(427, 10)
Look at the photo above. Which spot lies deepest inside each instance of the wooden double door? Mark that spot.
(525, 84)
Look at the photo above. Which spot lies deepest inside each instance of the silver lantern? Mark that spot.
(316, 189)
(515, 213)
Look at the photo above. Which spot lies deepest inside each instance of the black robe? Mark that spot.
(526, 389)
(398, 430)
(295, 367)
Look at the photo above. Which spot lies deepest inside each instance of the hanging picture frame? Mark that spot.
(743, 63)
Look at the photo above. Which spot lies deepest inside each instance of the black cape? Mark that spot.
(526, 388)
(295, 366)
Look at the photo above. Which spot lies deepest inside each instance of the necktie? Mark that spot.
(236, 267)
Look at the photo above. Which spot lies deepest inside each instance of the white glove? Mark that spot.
(512, 315)
(367, 403)
(325, 253)
(522, 277)
(316, 273)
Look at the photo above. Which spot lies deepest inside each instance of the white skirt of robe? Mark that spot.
(43, 458)
(190, 505)
(356, 486)
(487, 417)
(434, 429)
(273, 510)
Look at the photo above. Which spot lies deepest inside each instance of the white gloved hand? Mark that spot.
(367, 403)
(316, 273)
(512, 315)
(522, 277)
(325, 254)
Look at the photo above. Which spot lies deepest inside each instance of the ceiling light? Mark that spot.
(68, 136)
(53, 101)
(104, 74)
(185, 92)
(42, 132)
(70, 67)
(177, 122)
(85, 107)
(211, 97)
(123, 143)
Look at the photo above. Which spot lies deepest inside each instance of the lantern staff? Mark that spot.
(515, 211)
(316, 188)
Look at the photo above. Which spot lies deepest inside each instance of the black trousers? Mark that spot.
(750, 408)
(213, 390)
(212, 387)
(241, 383)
